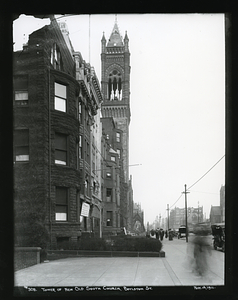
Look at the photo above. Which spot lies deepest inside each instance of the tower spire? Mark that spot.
(115, 38)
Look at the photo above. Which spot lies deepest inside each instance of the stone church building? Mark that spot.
(115, 86)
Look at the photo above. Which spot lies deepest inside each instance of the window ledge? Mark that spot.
(61, 222)
(60, 111)
(19, 105)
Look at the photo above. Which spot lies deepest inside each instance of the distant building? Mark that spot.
(138, 219)
(195, 215)
(177, 216)
(222, 203)
(215, 215)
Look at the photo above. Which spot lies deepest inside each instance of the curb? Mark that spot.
(58, 254)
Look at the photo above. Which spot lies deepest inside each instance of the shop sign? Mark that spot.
(85, 209)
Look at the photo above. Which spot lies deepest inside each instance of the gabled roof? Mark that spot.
(115, 39)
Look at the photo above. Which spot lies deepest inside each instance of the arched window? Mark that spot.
(115, 86)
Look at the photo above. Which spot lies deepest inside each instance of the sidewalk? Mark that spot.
(172, 270)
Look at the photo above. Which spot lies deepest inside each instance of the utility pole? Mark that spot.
(168, 214)
(186, 216)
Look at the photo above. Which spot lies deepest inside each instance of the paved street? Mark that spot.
(172, 270)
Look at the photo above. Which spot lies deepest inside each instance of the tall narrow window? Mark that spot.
(21, 145)
(119, 153)
(109, 172)
(55, 58)
(87, 187)
(109, 195)
(80, 147)
(21, 90)
(118, 137)
(88, 153)
(60, 149)
(80, 112)
(61, 207)
(93, 162)
(109, 218)
(60, 97)
(109, 87)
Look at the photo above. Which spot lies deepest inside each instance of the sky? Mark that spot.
(177, 101)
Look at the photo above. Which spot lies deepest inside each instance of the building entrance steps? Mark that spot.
(172, 270)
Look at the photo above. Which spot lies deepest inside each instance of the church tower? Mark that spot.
(115, 85)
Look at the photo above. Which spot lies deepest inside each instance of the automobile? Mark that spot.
(218, 232)
(182, 231)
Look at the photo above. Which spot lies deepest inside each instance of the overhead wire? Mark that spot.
(176, 201)
(196, 182)
(206, 172)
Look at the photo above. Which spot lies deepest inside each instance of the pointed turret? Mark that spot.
(126, 42)
(126, 37)
(103, 41)
(115, 39)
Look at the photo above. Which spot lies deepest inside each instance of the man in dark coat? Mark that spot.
(161, 234)
(157, 233)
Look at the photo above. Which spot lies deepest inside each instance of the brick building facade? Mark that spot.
(56, 97)
(111, 169)
(70, 165)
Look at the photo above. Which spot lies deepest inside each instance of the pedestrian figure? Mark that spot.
(152, 234)
(157, 234)
(166, 234)
(200, 253)
(170, 235)
(161, 234)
